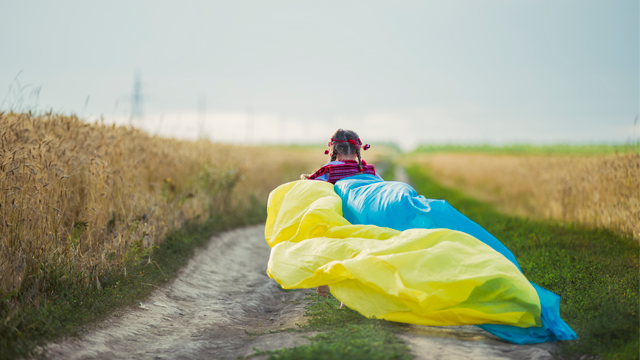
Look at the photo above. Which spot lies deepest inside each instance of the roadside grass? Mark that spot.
(529, 149)
(66, 308)
(388, 173)
(595, 271)
(346, 335)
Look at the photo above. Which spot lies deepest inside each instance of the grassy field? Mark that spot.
(93, 216)
(528, 149)
(594, 270)
(597, 191)
(68, 309)
(81, 195)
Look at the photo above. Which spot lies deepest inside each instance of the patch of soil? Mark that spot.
(468, 342)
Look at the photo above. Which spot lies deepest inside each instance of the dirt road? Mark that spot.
(204, 313)
(223, 293)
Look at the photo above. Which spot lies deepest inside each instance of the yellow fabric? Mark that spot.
(435, 277)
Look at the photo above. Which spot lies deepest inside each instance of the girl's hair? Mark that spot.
(345, 148)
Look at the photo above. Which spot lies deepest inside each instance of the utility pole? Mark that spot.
(201, 116)
(137, 112)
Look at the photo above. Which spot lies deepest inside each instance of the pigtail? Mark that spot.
(346, 142)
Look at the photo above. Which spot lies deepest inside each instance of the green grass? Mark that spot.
(527, 149)
(347, 335)
(595, 271)
(391, 147)
(389, 171)
(65, 308)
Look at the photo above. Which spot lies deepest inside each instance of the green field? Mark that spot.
(528, 149)
(594, 271)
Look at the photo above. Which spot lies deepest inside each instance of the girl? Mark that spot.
(346, 161)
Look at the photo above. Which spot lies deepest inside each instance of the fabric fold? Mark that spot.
(436, 277)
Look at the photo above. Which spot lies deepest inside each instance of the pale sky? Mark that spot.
(294, 71)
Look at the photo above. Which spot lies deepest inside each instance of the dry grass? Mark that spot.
(598, 191)
(85, 197)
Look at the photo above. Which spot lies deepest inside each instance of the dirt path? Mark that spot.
(223, 293)
(468, 342)
(204, 313)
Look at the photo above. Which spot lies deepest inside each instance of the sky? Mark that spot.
(409, 72)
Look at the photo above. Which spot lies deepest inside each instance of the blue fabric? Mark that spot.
(370, 201)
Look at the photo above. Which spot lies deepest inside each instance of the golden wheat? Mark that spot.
(597, 191)
(80, 195)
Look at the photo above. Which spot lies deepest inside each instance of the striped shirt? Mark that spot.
(338, 170)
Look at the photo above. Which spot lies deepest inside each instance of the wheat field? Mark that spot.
(82, 196)
(597, 191)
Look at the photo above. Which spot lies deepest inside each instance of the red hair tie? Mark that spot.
(356, 143)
